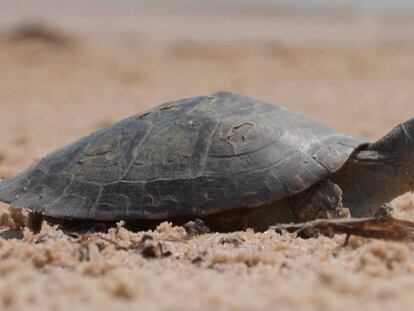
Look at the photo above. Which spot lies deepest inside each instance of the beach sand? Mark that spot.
(352, 73)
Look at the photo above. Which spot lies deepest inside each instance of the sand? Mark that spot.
(54, 91)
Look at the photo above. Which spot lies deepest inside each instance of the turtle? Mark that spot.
(232, 161)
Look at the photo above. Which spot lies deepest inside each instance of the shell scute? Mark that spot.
(191, 157)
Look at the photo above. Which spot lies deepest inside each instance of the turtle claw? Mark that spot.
(384, 228)
(385, 211)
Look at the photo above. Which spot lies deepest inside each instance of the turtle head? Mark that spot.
(399, 142)
(379, 172)
(391, 159)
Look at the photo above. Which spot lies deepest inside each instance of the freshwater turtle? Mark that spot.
(230, 160)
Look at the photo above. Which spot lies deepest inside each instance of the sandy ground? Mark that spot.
(53, 91)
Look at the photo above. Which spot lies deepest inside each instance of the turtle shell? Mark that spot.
(191, 157)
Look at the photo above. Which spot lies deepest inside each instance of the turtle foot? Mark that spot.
(322, 201)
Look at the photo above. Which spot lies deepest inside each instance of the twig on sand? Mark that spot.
(385, 228)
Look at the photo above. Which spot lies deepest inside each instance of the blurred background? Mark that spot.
(68, 68)
(71, 67)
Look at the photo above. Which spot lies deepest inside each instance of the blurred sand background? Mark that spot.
(97, 63)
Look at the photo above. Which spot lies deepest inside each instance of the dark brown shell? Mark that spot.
(191, 157)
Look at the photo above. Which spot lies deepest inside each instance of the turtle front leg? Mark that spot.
(323, 200)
